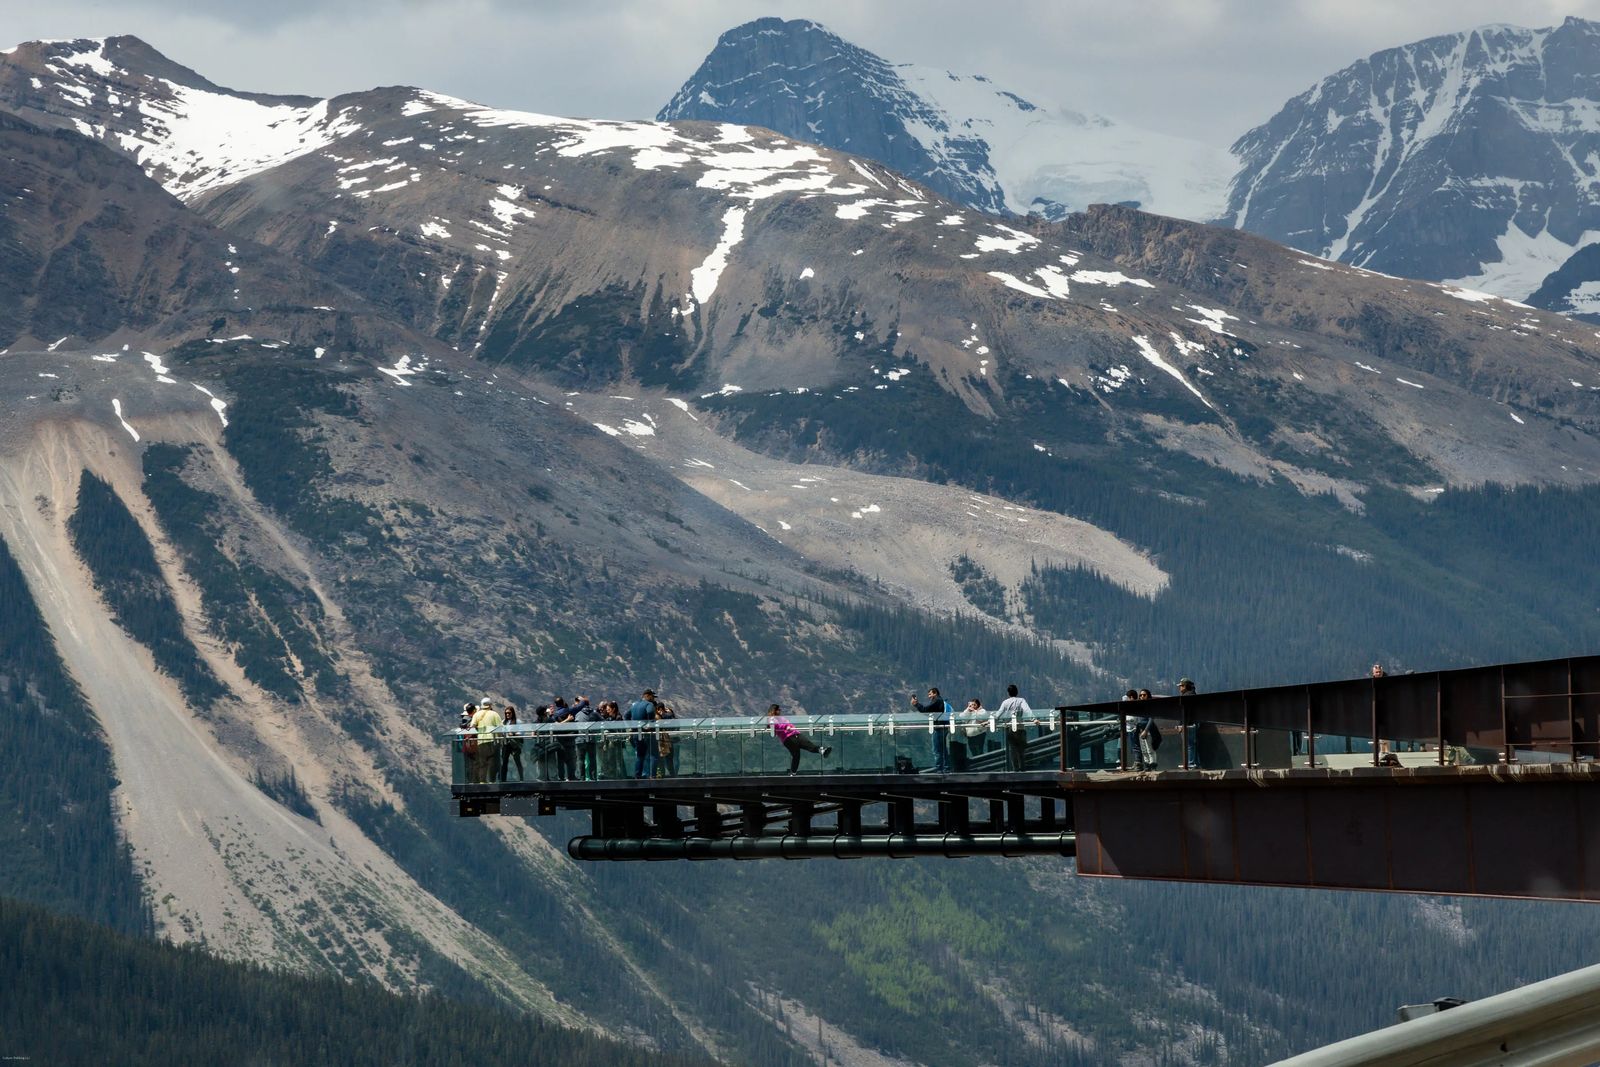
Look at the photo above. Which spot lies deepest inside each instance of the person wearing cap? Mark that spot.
(1186, 689)
(642, 712)
(486, 721)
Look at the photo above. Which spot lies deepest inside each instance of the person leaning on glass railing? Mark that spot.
(613, 743)
(960, 741)
(642, 713)
(666, 742)
(1012, 713)
(586, 715)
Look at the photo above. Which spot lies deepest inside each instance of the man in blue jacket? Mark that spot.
(643, 711)
(939, 708)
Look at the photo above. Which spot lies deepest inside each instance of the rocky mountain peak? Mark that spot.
(968, 138)
(1457, 158)
(802, 80)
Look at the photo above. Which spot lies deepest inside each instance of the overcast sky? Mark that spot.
(1210, 69)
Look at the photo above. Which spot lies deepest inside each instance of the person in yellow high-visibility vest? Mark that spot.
(486, 721)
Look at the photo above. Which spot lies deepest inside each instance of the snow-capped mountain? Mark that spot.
(960, 134)
(186, 132)
(721, 259)
(1472, 157)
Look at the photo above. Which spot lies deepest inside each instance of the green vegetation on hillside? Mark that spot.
(77, 993)
(1477, 576)
(1268, 584)
(275, 436)
(267, 621)
(58, 835)
(595, 340)
(118, 554)
(980, 587)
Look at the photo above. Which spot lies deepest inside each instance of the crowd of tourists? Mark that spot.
(495, 741)
(1143, 739)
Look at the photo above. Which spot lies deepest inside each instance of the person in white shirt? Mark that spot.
(1016, 740)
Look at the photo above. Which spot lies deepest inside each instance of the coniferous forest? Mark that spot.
(78, 993)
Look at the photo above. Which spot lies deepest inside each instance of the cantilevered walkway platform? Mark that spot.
(1470, 782)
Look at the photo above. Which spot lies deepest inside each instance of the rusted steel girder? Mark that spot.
(1496, 831)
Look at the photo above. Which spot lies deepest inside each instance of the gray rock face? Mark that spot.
(798, 78)
(1574, 288)
(1470, 157)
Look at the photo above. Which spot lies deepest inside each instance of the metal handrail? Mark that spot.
(818, 724)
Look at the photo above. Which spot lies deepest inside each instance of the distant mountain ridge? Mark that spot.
(1465, 158)
(962, 135)
(1469, 157)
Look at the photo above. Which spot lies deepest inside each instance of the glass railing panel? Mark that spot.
(1541, 752)
(615, 752)
(866, 748)
(1092, 745)
(747, 746)
(1277, 750)
(910, 743)
(669, 741)
(1163, 744)
(1342, 751)
(965, 746)
(1220, 747)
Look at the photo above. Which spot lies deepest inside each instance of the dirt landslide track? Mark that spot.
(219, 858)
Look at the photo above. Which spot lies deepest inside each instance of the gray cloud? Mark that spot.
(1205, 68)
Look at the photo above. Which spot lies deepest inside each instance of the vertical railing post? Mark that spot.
(1311, 731)
(1505, 722)
(1183, 732)
(1122, 740)
(1438, 712)
(1572, 719)
(1374, 722)
(1249, 735)
(1061, 723)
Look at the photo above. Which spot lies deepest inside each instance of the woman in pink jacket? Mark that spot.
(793, 740)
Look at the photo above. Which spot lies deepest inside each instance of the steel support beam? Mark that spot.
(795, 847)
(1496, 834)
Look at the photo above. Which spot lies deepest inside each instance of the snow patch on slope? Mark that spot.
(1057, 161)
(703, 279)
